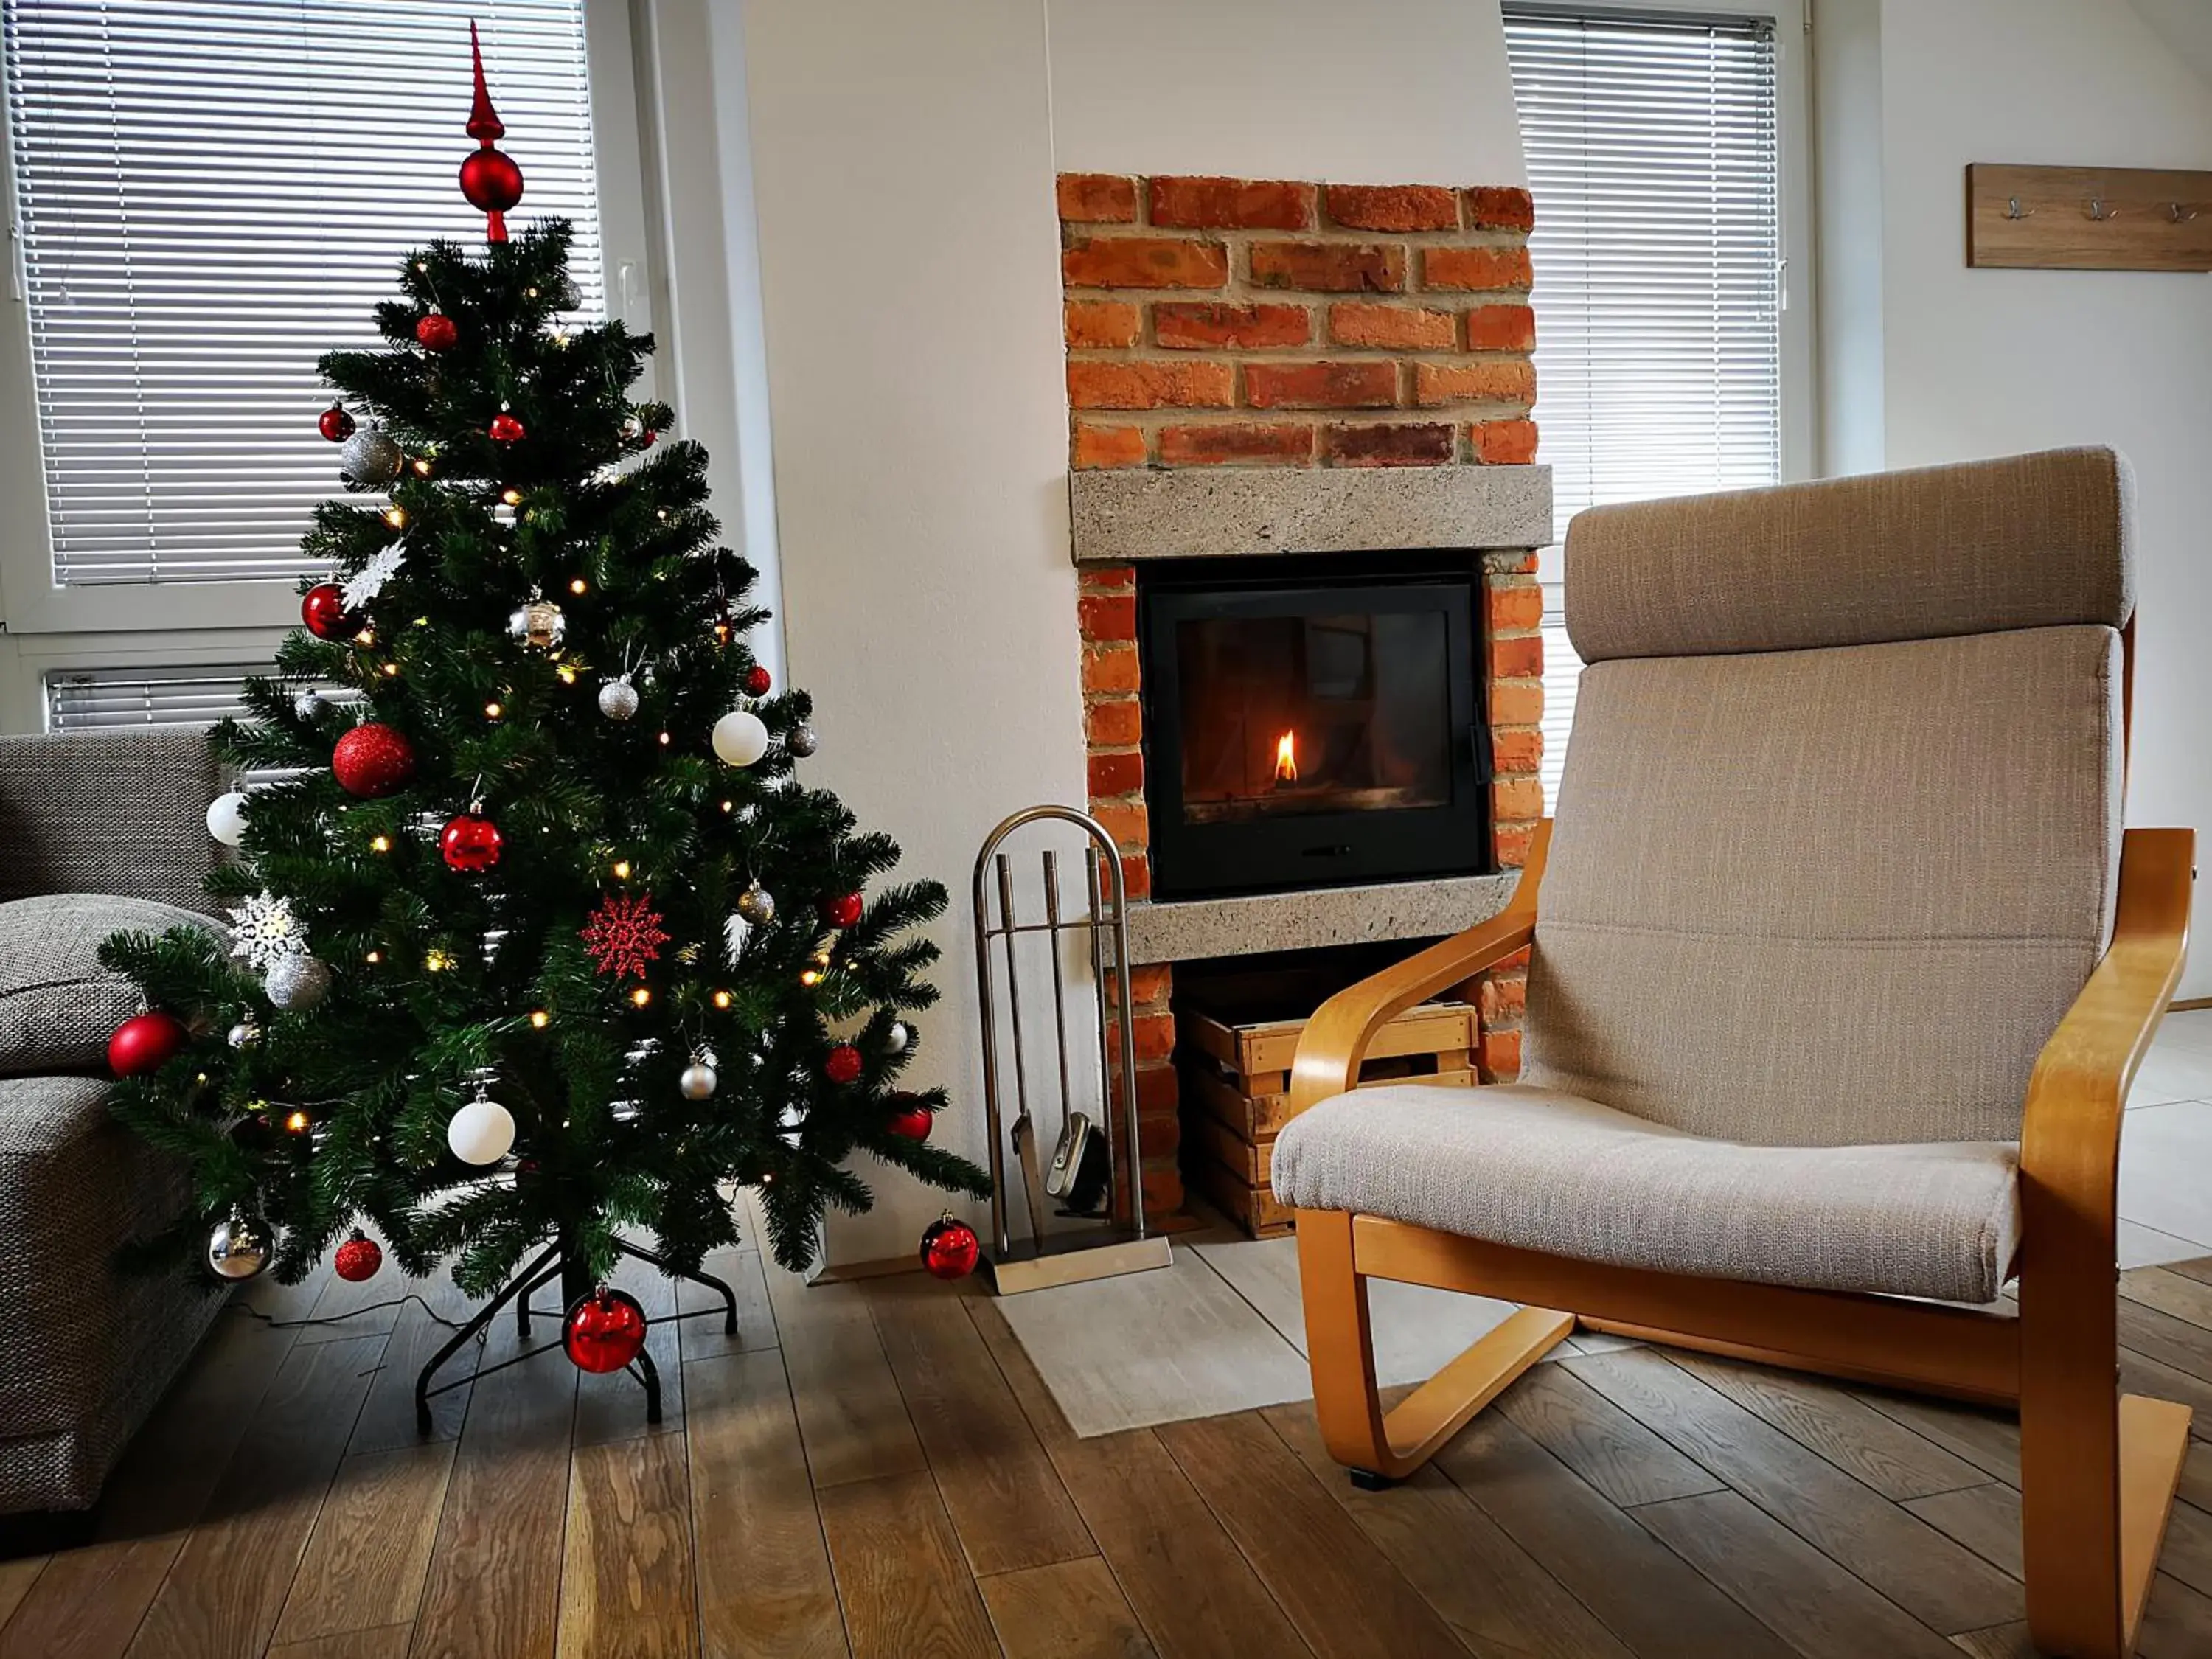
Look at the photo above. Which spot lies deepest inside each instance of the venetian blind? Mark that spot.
(211, 196)
(79, 700)
(1653, 145)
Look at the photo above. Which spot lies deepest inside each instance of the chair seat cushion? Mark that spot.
(1544, 1170)
(59, 1006)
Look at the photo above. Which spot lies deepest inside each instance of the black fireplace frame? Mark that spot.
(1322, 849)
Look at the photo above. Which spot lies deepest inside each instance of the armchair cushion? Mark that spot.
(59, 1006)
(1544, 1170)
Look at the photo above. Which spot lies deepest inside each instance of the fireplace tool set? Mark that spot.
(1079, 1176)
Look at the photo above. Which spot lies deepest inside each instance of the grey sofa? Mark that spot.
(87, 1351)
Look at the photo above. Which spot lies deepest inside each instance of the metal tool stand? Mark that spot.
(1108, 1248)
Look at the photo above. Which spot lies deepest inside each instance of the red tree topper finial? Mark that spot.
(489, 178)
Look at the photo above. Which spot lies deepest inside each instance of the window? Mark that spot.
(1654, 144)
(86, 699)
(207, 198)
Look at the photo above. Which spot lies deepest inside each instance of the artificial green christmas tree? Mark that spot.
(539, 936)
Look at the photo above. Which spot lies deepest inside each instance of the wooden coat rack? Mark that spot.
(2088, 218)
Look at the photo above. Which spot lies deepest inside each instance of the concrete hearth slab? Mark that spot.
(1119, 516)
(1188, 930)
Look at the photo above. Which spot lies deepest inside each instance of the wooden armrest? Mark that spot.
(1335, 1039)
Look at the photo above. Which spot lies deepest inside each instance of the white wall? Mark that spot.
(1986, 362)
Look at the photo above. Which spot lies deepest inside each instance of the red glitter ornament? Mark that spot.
(335, 424)
(372, 760)
(604, 1331)
(145, 1042)
(758, 680)
(358, 1258)
(489, 178)
(504, 429)
(469, 842)
(438, 332)
(842, 910)
(949, 1249)
(841, 1064)
(911, 1119)
(323, 609)
(624, 934)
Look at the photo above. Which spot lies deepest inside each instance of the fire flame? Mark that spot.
(1286, 758)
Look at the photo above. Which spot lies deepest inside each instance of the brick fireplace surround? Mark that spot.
(1219, 324)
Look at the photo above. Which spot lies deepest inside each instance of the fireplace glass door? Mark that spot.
(1311, 735)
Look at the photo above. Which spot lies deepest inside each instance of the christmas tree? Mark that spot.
(537, 938)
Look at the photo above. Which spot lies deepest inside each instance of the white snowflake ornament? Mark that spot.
(264, 932)
(366, 583)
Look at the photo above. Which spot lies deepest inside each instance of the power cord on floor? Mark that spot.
(275, 1323)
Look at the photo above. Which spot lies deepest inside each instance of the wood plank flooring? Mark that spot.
(875, 1470)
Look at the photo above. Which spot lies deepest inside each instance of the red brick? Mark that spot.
(1504, 443)
(1501, 1056)
(1393, 207)
(1107, 578)
(1501, 328)
(1124, 820)
(1158, 1134)
(1157, 1090)
(1149, 987)
(1101, 323)
(1516, 801)
(1095, 447)
(1236, 443)
(1152, 1035)
(1397, 445)
(1513, 841)
(1514, 610)
(1516, 702)
(1114, 383)
(1517, 963)
(1110, 668)
(1391, 328)
(1363, 384)
(1502, 997)
(1114, 725)
(1116, 775)
(1329, 267)
(1106, 617)
(1510, 380)
(1097, 198)
(1520, 750)
(1475, 268)
(1145, 262)
(1518, 660)
(1136, 874)
(1231, 203)
(1493, 207)
(1162, 1191)
(1184, 325)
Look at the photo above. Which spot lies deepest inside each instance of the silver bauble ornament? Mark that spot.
(567, 296)
(297, 981)
(801, 740)
(245, 1035)
(756, 905)
(539, 624)
(308, 705)
(370, 458)
(618, 699)
(238, 1248)
(698, 1080)
(897, 1038)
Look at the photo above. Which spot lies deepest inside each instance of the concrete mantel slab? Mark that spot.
(1187, 930)
(1120, 516)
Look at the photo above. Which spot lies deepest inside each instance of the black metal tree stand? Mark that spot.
(556, 1263)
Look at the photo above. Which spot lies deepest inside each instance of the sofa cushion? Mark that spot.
(1543, 1170)
(59, 1006)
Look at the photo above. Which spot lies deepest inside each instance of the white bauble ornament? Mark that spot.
(739, 737)
(238, 1248)
(226, 818)
(481, 1131)
(698, 1080)
(296, 981)
(897, 1038)
(369, 458)
(618, 699)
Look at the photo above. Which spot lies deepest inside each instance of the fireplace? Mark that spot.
(1312, 724)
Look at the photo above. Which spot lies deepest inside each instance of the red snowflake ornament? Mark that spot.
(624, 934)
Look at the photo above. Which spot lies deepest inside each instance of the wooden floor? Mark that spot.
(873, 1470)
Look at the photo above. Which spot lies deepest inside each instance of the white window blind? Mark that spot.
(82, 699)
(210, 196)
(1653, 153)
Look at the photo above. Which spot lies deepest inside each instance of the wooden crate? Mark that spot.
(1236, 1093)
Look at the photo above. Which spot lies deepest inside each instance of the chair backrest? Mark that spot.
(1838, 836)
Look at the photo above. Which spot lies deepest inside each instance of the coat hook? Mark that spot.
(2100, 212)
(2013, 211)
(2179, 214)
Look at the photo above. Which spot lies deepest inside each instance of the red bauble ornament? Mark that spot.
(358, 1258)
(438, 332)
(841, 1064)
(335, 424)
(604, 1331)
(842, 910)
(145, 1042)
(323, 609)
(504, 429)
(758, 680)
(624, 934)
(489, 180)
(470, 842)
(949, 1249)
(372, 760)
(911, 1119)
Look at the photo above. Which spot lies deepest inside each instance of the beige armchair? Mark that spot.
(1841, 968)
